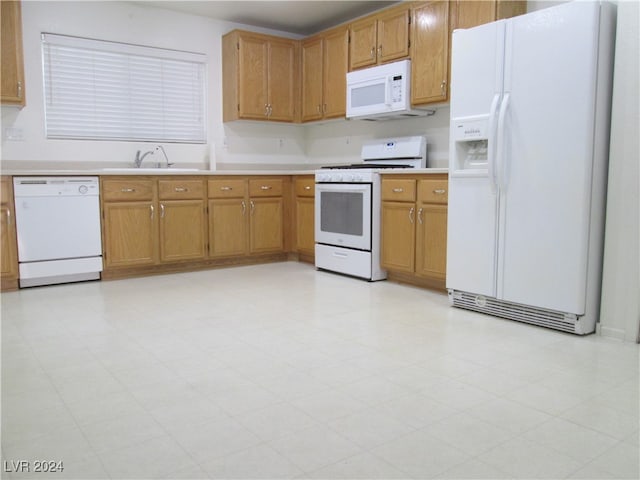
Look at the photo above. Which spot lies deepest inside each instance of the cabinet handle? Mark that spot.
(127, 190)
(253, 206)
(266, 187)
(226, 189)
(162, 210)
(308, 187)
(420, 216)
(266, 110)
(8, 217)
(152, 210)
(411, 214)
(19, 89)
(244, 208)
(443, 86)
(439, 191)
(380, 51)
(318, 108)
(324, 108)
(398, 190)
(181, 189)
(373, 52)
(270, 109)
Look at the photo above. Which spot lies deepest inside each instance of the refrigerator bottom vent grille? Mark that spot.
(514, 311)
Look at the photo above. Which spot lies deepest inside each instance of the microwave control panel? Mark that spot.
(396, 89)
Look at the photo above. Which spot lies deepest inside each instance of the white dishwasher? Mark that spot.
(58, 225)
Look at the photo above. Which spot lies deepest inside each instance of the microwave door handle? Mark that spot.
(387, 91)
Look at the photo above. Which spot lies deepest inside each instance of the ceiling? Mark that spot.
(302, 17)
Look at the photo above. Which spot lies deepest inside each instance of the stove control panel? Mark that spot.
(345, 176)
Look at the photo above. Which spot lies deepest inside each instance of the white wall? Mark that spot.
(138, 24)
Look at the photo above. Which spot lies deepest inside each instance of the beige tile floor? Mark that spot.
(280, 371)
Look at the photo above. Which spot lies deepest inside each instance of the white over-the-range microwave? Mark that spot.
(381, 93)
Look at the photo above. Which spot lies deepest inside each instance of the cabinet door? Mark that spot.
(430, 53)
(8, 252)
(312, 79)
(393, 35)
(12, 76)
(431, 249)
(335, 65)
(398, 236)
(266, 225)
(305, 218)
(227, 227)
(182, 230)
(130, 234)
(253, 73)
(362, 49)
(470, 14)
(281, 82)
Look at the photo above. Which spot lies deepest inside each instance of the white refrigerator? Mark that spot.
(529, 141)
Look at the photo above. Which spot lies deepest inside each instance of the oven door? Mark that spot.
(343, 215)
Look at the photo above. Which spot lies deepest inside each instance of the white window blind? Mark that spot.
(113, 91)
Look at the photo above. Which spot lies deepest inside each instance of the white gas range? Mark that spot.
(347, 223)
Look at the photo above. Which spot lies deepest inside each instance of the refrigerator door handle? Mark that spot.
(491, 159)
(501, 140)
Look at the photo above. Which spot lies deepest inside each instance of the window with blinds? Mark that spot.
(114, 91)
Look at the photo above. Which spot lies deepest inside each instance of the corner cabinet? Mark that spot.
(259, 77)
(414, 228)
(8, 244)
(12, 75)
(324, 62)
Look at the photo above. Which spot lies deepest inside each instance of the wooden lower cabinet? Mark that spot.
(266, 225)
(227, 227)
(414, 228)
(152, 221)
(8, 244)
(183, 230)
(246, 216)
(304, 188)
(130, 234)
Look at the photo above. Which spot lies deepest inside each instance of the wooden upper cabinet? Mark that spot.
(259, 77)
(430, 53)
(471, 13)
(282, 80)
(12, 74)
(393, 35)
(380, 38)
(324, 72)
(312, 79)
(363, 43)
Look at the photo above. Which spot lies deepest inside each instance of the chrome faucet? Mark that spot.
(161, 148)
(140, 158)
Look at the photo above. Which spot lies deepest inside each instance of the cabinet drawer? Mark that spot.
(127, 189)
(434, 191)
(269, 187)
(231, 188)
(305, 187)
(179, 189)
(399, 190)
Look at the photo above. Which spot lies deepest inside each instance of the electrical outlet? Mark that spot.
(14, 134)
